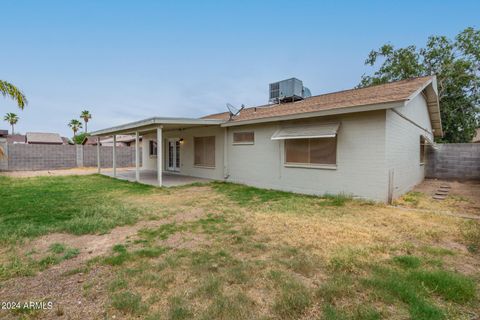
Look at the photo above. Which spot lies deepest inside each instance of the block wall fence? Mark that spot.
(460, 161)
(21, 157)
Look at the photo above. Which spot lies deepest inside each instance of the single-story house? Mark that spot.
(366, 142)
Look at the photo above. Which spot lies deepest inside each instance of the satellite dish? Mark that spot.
(234, 110)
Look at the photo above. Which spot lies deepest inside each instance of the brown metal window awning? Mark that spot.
(327, 130)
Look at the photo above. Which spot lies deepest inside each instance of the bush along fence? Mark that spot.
(460, 161)
(50, 157)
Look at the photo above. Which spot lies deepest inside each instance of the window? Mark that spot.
(204, 150)
(152, 148)
(243, 137)
(317, 151)
(422, 149)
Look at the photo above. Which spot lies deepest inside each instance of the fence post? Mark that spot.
(3, 154)
(79, 155)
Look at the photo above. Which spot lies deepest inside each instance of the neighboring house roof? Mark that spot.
(398, 91)
(476, 138)
(3, 133)
(16, 138)
(66, 140)
(121, 140)
(90, 141)
(43, 138)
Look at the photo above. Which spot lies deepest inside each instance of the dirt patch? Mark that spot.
(63, 172)
(92, 245)
(185, 240)
(464, 197)
(68, 293)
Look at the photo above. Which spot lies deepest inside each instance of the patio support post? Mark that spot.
(159, 156)
(98, 155)
(114, 156)
(137, 157)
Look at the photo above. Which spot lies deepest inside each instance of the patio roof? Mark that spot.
(153, 123)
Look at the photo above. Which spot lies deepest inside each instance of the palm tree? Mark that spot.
(75, 125)
(11, 118)
(8, 89)
(86, 115)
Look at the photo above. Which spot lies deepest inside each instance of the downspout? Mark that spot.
(226, 174)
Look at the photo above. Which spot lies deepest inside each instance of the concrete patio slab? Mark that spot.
(150, 177)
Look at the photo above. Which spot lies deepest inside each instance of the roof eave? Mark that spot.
(153, 122)
(433, 104)
(335, 111)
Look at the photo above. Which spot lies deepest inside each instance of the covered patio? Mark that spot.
(150, 177)
(163, 175)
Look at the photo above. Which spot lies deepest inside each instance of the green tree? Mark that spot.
(8, 89)
(78, 139)
(75, 125)
(86, 115)
(455, 62)
(11, 118)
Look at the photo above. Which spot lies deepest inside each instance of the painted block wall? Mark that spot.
(361, 167)
(403, 144)
(187, 152)
(459, 161)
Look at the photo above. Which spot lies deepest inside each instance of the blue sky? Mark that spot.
(129, 60)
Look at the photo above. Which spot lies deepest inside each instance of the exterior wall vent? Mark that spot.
(288, 90)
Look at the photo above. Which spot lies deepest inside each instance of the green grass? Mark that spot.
(293, 297)
(25, 265)
(361, 313)
(413, 197)
(471, 234)
(449, 285)
(178, 309)
(407, 261)
(253, 197)
(127, 302)
(75, 204)
(416, 286)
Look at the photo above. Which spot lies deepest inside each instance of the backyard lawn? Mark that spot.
(99, 248)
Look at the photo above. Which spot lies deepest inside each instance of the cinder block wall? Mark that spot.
(51, 157)
(125, 156)
(454, 161)
(41, 157)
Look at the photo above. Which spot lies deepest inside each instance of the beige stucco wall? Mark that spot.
(186, 151)
(403, 146)
(361, 168)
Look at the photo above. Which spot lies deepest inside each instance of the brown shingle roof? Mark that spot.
(383, 93)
